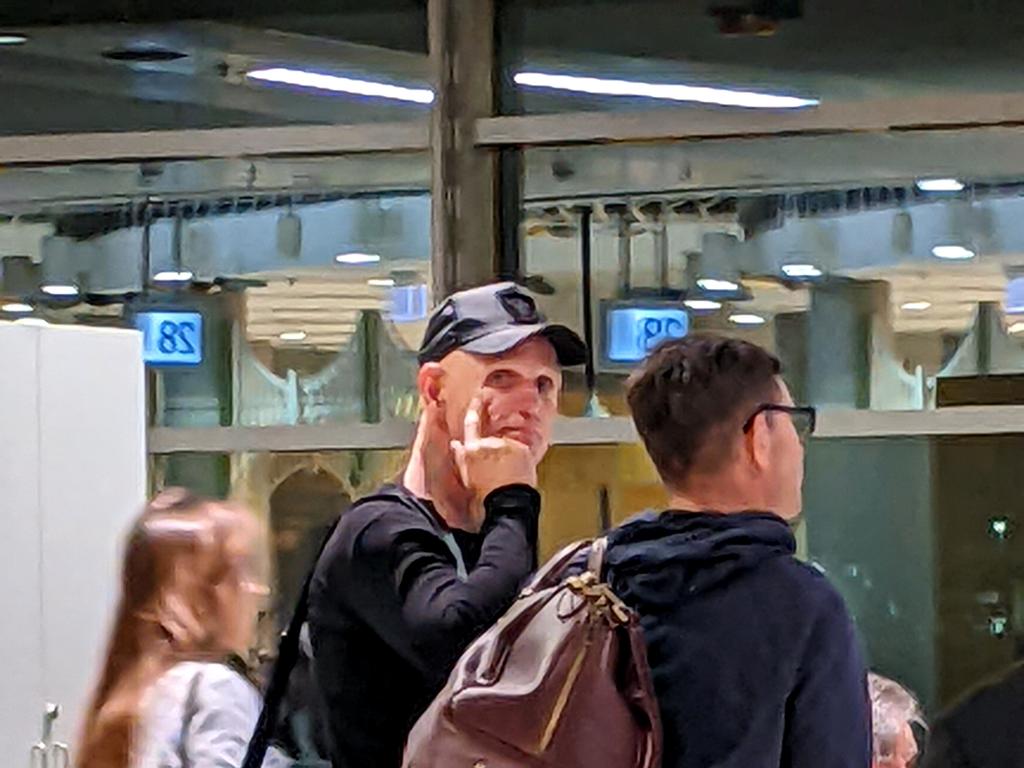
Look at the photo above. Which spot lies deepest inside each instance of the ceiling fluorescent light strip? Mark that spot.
(324, 82)
(572, 83)
(670, 92)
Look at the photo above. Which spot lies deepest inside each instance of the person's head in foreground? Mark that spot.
(894, 712)
(188, 593)
(721, 427)
(490, 368)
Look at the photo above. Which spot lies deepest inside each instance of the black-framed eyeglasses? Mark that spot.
(805, 417)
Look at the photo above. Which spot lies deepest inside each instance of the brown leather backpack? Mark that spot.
(561, 680)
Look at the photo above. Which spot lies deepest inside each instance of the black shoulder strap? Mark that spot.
(289, 646)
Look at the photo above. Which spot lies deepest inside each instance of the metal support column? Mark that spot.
(509, 36)
(463, 222)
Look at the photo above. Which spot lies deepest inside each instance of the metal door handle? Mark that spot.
(47, 753)
(61, 756)
(37, 757)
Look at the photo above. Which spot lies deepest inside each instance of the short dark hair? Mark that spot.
(690, 393)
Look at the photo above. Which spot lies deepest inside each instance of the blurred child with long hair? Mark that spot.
(174, 691)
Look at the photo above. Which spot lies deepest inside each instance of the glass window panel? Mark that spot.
(298, 495)
(899, 292)
(886, 270)
(925, 555)
(272, 291)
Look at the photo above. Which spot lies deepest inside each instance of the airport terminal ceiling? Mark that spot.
(189, 65)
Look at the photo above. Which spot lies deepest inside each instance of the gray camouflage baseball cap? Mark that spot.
(493, 319)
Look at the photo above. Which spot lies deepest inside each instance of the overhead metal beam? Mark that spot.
(980, 420)
(213, 143)
(986, 420)
(283, 439)
(670, 123)
(771, 163)
(305, 438)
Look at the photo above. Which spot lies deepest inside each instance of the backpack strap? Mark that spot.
(290, 645)
(554, 570)
(288, 651)
(595, 560)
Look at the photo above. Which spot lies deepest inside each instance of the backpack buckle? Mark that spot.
(600, 599)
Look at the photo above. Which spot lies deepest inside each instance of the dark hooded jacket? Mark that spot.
(754, 656)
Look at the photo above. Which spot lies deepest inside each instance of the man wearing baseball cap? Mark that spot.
(413, 574)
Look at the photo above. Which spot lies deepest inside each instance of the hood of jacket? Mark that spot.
(661, 557)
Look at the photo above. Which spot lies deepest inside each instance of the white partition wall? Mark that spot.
(72, 476)
(21, 668)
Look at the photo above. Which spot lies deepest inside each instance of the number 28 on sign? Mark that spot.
(172, 338)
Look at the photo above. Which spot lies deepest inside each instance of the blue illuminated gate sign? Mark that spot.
(632, 332)
(171, 338)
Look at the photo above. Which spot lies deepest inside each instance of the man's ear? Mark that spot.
(429, 381)
(758, 442)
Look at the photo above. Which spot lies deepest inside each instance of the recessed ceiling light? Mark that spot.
(17, 308)
(381, 282)
(60, 290)
(357, 258)
(37, 321)
(940, 185)
(747, 319)
(718, 286)
(916, 306)
(323, 82)
(952, 252)
(703, 305)
(1016, 328)
(143, 53)
(184, 276)
(800, 270)
(11, 38)
(600, 86)
(293, 336)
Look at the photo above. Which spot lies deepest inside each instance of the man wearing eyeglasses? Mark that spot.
(754, 655)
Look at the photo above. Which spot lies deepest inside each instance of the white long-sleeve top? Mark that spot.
(199, 715)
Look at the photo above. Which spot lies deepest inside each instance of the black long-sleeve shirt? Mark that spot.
(396, 598)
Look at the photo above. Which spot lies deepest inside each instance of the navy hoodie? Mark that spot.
(754, 656)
